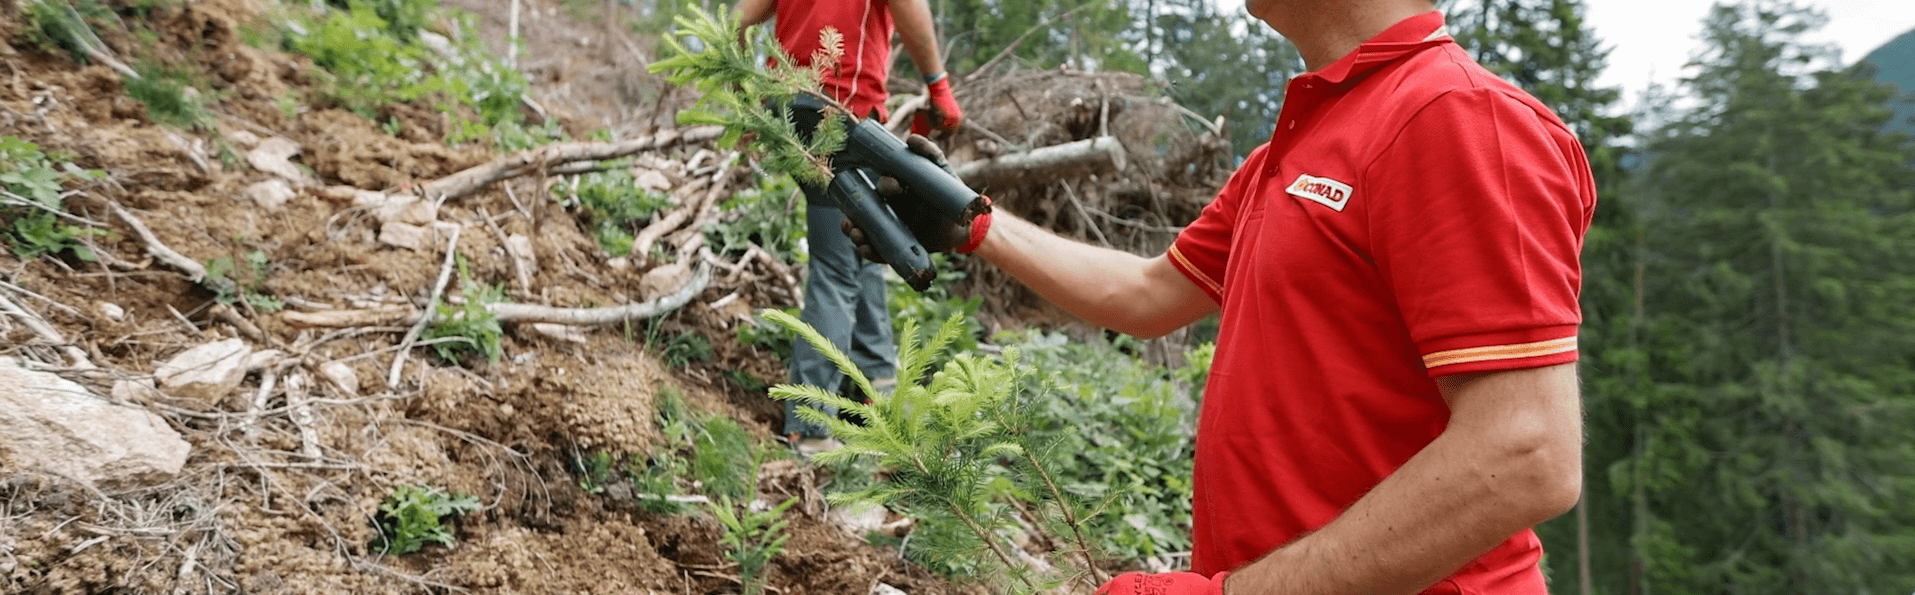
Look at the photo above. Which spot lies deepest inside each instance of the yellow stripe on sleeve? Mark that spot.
(1195, 272)
(1499, 352)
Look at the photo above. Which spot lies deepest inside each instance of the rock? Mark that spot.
(136, 391)
(112, 311)
(341, 376)
(884, 589)
(520, 248)
(274, 156)
(242, 139)
(389, 208)
(52, 424)
(206, 374)
(857, 521)
(401, 235)
(271, 194)
(653, 180)
(664, 279)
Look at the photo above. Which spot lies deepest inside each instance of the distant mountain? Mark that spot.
(1895, 62)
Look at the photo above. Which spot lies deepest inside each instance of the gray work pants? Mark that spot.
(844, 300)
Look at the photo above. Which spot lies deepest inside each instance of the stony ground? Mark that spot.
(285, 505)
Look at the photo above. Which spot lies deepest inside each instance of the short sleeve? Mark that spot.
(1480, 242)
(1202, 250)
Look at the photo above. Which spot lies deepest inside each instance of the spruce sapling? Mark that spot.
(712, 54)
(947, 445)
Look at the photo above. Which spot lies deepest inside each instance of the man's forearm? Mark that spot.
(1110, 288)
(918, 33)
(1504, 467)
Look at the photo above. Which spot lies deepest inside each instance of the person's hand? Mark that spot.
(941, 112)
(1169, 583)
(933, 232)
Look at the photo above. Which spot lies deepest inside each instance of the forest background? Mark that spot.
(1748, 349)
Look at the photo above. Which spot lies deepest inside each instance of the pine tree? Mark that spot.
(1774, 452)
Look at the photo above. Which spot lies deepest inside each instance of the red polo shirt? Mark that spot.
(858, 79)
(1413, 216)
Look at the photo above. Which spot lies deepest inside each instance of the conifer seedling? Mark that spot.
(950, 442)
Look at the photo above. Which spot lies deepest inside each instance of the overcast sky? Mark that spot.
(1652, 39)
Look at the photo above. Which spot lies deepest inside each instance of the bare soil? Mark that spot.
(249, 513)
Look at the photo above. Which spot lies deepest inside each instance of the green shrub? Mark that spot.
(371, 56)
(765, 215)
(471, 327)
(413, 516)
(1123, 427)
(615, 207)
(231, 281)
(726, 461)
(34, 186)
(56, 25)
(163, 90)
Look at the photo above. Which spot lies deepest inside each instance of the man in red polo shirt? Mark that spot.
(845, 297)
(1393, 403)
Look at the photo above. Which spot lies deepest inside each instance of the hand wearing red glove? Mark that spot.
(1169, 583)
(941, 112)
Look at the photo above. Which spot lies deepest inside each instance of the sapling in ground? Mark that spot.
(953, 448)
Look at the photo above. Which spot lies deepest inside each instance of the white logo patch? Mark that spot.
(1325, 191)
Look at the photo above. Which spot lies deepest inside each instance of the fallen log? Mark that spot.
(1101, 154)
(530, 161)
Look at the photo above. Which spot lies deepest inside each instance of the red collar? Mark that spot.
(1405, 37)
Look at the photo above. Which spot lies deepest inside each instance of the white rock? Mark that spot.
(664, 279)
(51, 424)
(884, 589)
(207, 373)
(858, 520)
(242, 139)
(112, 311)
(274, 156)
(341, 376)
(402, 208)
(653, 180)
(271, 194)
(520, 248)
(401, 235)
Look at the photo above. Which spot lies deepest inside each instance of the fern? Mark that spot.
(952, 447)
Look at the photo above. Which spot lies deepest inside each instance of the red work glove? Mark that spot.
(1169, 583)
(941, 112)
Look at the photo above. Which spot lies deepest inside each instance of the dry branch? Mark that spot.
(529, 313)
(195, 272)
(532, 161)
(351, 318)
(1101, 154)
(438, 289)
(685, 213)
(46, 332)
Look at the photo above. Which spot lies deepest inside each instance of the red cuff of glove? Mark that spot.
(980, 228)
(942, 112)
(1169, 583)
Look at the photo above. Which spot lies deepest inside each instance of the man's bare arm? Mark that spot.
(1510, 458)
(1145, 297)
(913, 19)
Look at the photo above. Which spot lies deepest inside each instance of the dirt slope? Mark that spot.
(252, 512)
